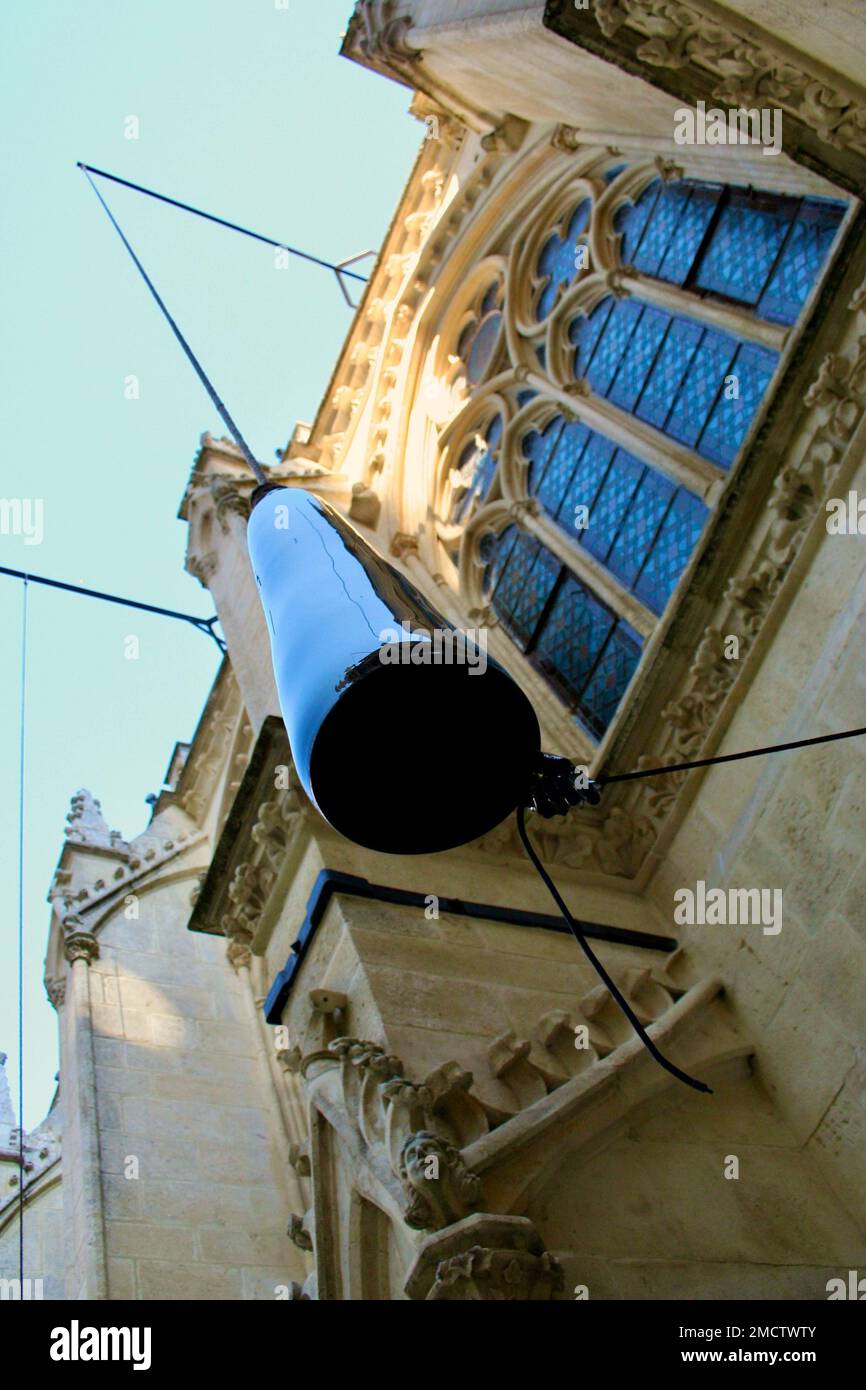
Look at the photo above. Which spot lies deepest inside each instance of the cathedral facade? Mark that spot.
(603, 400)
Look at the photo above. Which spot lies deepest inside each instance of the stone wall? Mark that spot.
(194, 1194)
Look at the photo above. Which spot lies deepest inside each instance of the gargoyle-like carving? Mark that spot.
(484, 1275)
(228, 497)
(298, 1233)
(439, 1186)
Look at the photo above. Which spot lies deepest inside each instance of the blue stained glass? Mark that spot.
(636, 363)
(803, 255)
(574, 632)
(592, 466)
(671, 550)
(611, 505)
(491, 299)
(612, 343)
(614, 172)
(667, 376)
(554, 485)
(608, 682)
(629, 221)
(556, 262)
(494, 551)
(482, 473)
(697, 205)
(639, 526)
(483, 344)
(585, 333)
(533, 595)
(745, 243)
(513, 574)
(538, 447)
(697, 396)
(726, 427)
(661, 228)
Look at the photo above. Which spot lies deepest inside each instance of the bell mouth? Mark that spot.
(417, 759)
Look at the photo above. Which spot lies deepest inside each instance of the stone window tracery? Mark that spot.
(616, 356)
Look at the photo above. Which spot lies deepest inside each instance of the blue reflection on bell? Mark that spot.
(406, 736)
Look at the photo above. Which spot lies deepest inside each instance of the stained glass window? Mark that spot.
(636, 522)
(690, 381)
(761, 249)
(477, 342)
(698, 385)
(557, 261)
(585, 650)
(476, 467)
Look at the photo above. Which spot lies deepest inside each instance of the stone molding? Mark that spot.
(702, 50)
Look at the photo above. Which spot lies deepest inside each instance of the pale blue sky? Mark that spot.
(246, 110)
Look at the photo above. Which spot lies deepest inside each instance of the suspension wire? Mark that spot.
(205, 625)
(232, 226)
(21, 752)
(597, 965)
(727, 757)
(258, 471)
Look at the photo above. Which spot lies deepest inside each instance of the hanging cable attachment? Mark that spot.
(341, 269)
(596, 964)
(556, 784)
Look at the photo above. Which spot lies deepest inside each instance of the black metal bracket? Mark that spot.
(556, 785)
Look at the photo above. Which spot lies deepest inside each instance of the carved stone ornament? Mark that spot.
(228, 497)
(298, 1233)
(383, 35)
(440, 1188)
(751, 73)
(485, 1258)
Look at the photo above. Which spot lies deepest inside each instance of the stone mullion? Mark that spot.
(594, 575)
(728, 318)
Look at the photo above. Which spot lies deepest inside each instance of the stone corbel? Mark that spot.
(485, 1258)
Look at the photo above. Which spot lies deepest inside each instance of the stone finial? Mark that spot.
(7, 1113)
(87, 825)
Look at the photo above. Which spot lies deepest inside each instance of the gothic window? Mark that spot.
(479, 337)
(476, 468)
(582, 470)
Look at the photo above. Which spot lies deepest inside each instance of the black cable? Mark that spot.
(259, 473)
(727, 757)
(597, 965)
(223, 222)
(21, 752)
(204, 625)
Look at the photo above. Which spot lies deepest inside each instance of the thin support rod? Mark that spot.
(255, 466)
(22, 744)
(728, 757)
(223, 222)
(597, 965)
(205, 625)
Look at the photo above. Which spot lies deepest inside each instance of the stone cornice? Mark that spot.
(703, 51)
(254, 851)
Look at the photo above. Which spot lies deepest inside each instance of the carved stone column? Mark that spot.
(87, 1252)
